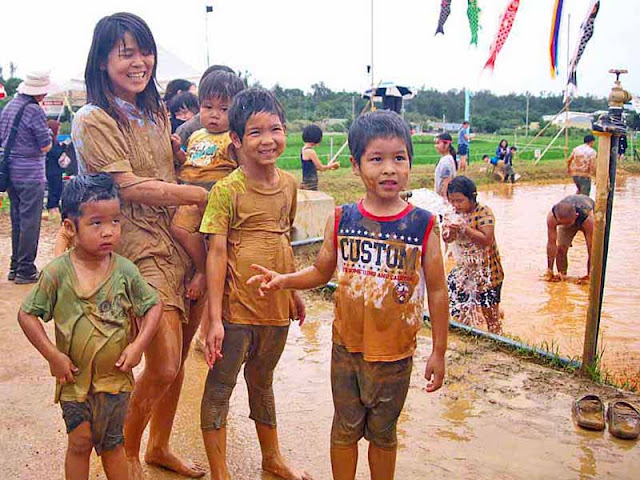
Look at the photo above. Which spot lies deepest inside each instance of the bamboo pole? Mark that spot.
(597, 250)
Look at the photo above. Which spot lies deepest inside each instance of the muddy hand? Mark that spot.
(301, 310)
(267, 280)
(434, 372)
(129, 358)
(63, 369)
(213, 345)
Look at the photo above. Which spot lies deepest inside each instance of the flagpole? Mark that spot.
(208, 9)
(568, 98)
(372, 78)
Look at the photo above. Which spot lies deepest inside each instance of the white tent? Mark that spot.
(72, 92)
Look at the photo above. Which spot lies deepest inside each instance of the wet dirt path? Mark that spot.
(497, 417)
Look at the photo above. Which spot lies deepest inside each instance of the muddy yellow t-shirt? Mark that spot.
(257, 223)
(208, 159)
(92, 328)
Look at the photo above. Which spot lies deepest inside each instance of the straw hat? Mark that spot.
(36, 83)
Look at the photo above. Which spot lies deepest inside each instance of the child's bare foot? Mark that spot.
(196, 286)
(166, 459)
(134, 467)
(282, 469)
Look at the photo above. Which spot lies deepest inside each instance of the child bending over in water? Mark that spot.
(92, 294)
(477, 278)
(386, 251)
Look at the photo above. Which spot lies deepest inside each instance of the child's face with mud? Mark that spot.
(97, 230)
(384, 167)
(264, 140)
(214, 114)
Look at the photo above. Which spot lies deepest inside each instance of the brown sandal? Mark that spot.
(588, 412)
(624, 420)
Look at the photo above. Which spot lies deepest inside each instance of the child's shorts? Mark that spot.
(105, 412)
(583, 184)
(566, 234)
(260, 347)
(367, 398)
(463, 150)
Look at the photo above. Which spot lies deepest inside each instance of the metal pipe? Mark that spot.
(307, 241)
(564, 361)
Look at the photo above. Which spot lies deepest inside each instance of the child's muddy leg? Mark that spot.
(114, 463)
(344, 460)
(215, 444)
(272, 460)
(382, 462)
(76, 463)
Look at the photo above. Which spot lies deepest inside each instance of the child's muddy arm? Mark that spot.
(149, 327)
(552, 237)
(60, 365)
(216, 274)
(314, 276)
(483, 236)
(438, 300)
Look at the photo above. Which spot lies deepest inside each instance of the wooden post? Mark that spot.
(597, 250)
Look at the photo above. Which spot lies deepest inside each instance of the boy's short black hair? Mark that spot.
(216, 68)
(220, 84)
(183, 100)
(312, 134)
(485, 156)
(248, 103)
(463, 185)
(82, 189)
(589, 138)
(378, 124)
(514, 149)
(466, 122)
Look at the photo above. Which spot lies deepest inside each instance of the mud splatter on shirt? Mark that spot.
(380, 296)
(257, 223)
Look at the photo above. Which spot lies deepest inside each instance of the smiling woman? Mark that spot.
(124, 131)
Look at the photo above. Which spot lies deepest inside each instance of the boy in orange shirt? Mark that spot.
(386, 252)
(248, 219)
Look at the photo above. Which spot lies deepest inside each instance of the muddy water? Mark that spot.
(538, 311)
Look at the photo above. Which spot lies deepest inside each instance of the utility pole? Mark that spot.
(526, 125)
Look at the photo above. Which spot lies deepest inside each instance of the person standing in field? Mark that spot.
(464, 138)
(386, 253)
(581, 165)
(27, 180)
(311, 164)
(124, 130)
(447, 165)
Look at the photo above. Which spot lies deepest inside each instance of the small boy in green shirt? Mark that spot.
(93, 295)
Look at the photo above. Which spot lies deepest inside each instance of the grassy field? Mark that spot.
(424, 152)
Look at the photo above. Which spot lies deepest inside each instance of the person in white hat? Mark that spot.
(26, 172)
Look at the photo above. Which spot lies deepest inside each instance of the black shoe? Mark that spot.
(11, 276)
(19, 280)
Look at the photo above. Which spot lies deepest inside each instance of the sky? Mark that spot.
(297, 43)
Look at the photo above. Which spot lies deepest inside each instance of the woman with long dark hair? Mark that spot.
(124, 130)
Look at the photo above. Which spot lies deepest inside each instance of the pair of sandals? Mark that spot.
(623, 417)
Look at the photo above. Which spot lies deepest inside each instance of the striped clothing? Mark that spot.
(27, 161)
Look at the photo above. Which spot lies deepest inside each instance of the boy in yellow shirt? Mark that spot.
(386, 252)
(248, 219)
(92, 294)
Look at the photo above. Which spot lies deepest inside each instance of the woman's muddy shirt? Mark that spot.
(257, 223)
(380, 295)
(144, 149)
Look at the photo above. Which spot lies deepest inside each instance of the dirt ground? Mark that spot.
(496, 417)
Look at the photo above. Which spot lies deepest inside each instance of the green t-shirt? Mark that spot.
(92, 328)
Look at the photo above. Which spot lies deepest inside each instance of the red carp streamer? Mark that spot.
(506, 22)
(556, 21)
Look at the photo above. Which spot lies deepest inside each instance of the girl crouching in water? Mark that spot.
(476, 280)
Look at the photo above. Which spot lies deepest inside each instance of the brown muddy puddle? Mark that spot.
(554, 314)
